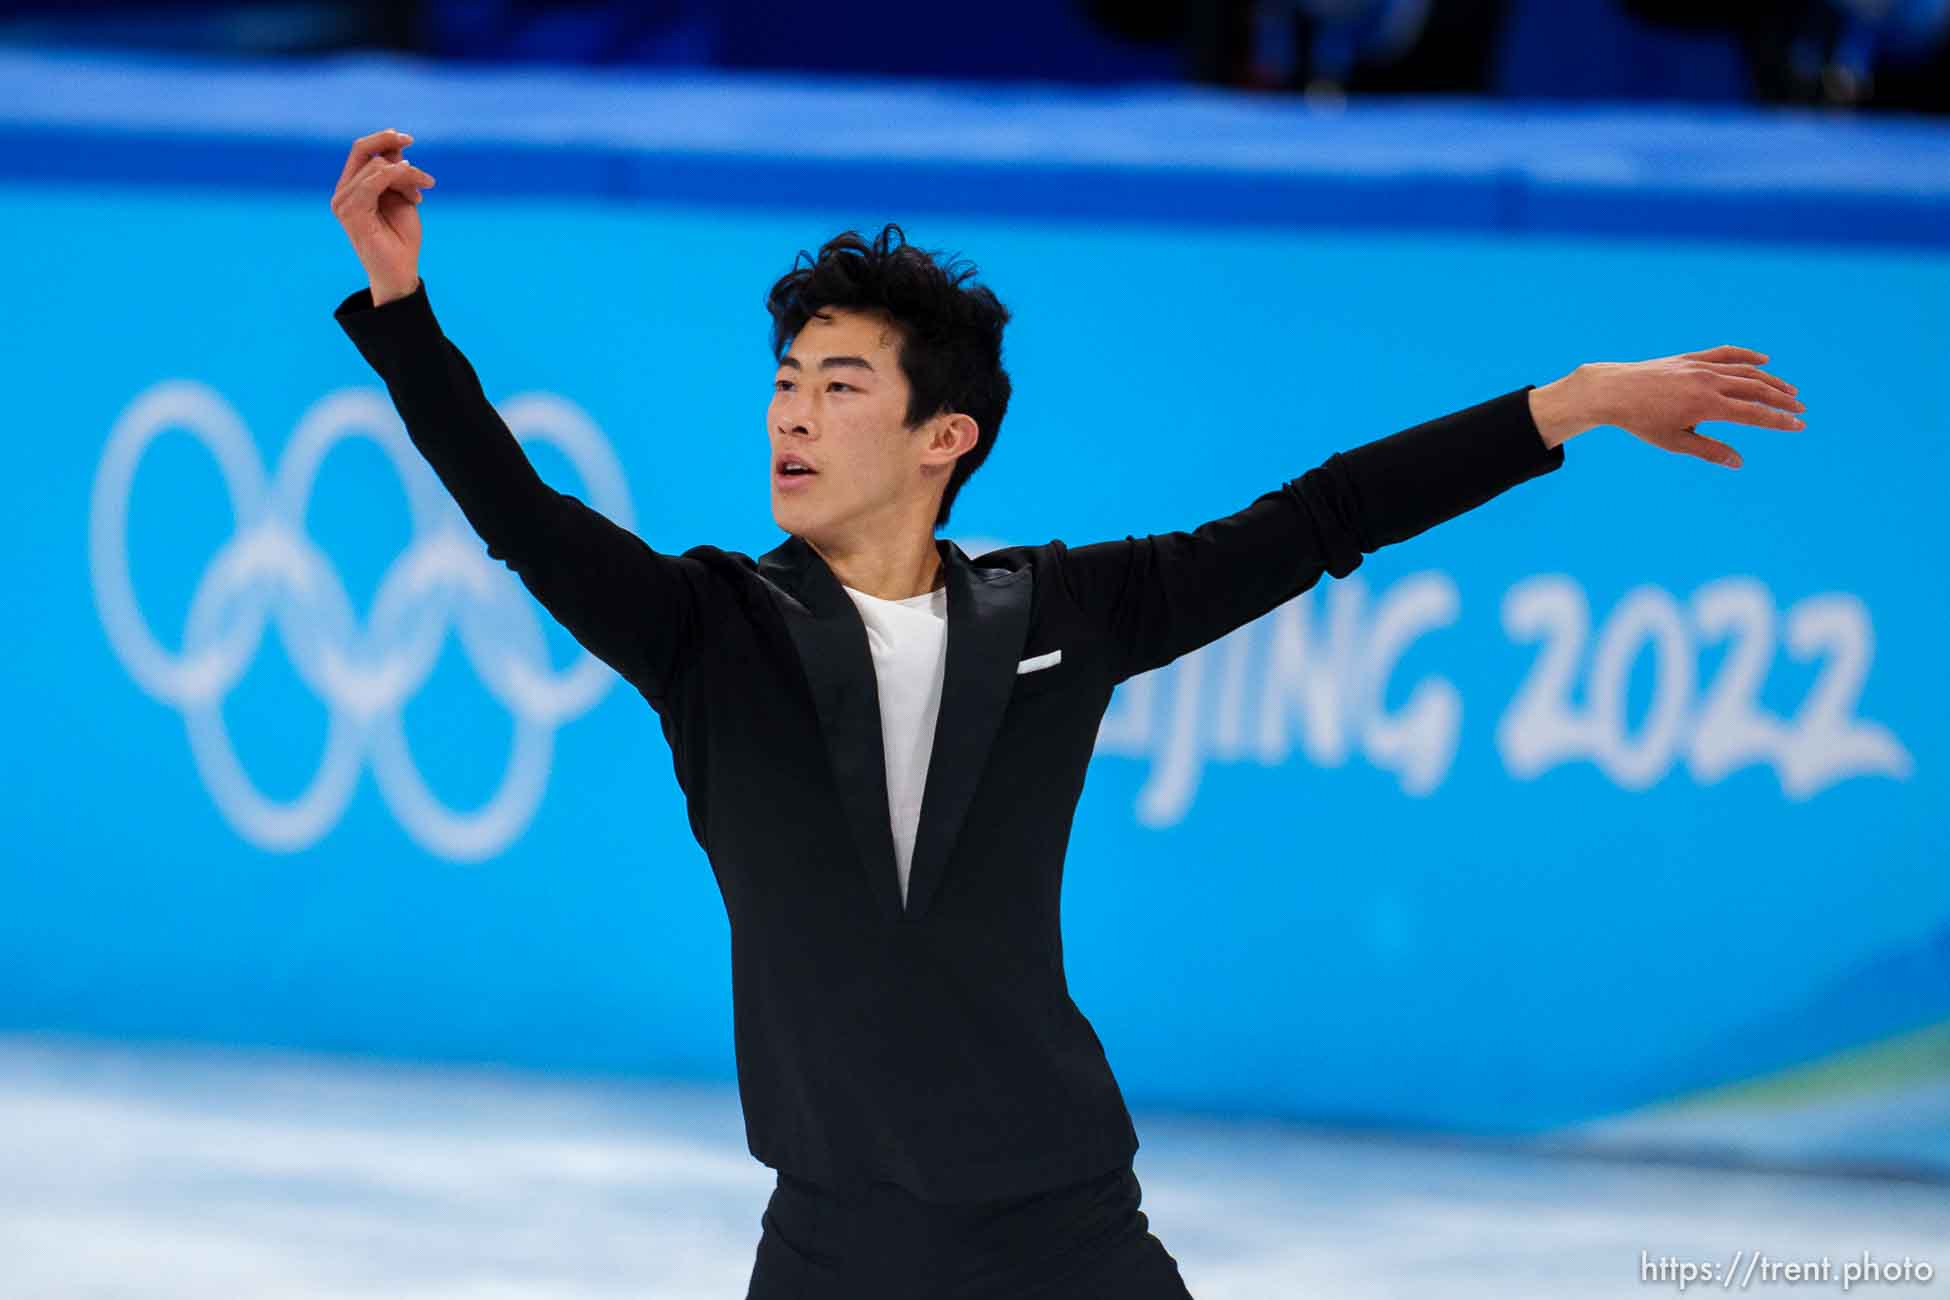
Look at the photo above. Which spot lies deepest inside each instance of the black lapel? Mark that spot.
(832, 644)
(988, 621)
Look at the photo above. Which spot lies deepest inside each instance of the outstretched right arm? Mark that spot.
(630, 606)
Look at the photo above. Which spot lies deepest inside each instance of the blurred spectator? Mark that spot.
(1889, 53)
(1880, 53)
(1867, 53)
(1325, 47)
(890, 37)
(290, 28)
(669, 32)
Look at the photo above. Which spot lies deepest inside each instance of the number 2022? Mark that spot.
(1718, 729)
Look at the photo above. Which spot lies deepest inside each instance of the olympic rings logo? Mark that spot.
(270, 572)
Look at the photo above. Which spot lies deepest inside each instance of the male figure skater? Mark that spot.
(882, 741)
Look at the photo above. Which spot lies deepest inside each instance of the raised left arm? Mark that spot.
(1163, 595)
(1157, 597)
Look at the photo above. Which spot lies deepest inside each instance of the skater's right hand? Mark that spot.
(377, 202)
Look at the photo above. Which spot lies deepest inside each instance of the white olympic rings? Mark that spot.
(269, 571)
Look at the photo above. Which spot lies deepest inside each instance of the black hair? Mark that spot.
(950, 333)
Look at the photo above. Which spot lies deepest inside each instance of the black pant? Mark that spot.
(1084, 1241)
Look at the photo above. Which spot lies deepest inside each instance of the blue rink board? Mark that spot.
(1488, 902)
(1160, 152)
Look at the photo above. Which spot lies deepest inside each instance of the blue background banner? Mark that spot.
(1625, 787)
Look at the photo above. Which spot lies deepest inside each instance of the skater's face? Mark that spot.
(839, 404)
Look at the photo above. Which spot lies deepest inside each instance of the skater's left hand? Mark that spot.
(1665, 400)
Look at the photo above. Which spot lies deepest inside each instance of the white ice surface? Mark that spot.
(170, 1172)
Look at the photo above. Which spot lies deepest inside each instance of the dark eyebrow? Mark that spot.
(830, 363)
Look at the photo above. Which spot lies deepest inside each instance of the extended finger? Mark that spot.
(1753, 372)
(368, 145)
(362, 199)
(395, 168)
(1740, 411)
(1727, 352)
(373, 162)
(402, 176)
(1694, 443)
(414, 176)
(354, 189)
(1754, 390)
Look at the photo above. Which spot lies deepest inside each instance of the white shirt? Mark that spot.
(909, 641)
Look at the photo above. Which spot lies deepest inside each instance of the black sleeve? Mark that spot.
(630, 606)
(1155, 598)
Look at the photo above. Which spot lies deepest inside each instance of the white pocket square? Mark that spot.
(1034, 662)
